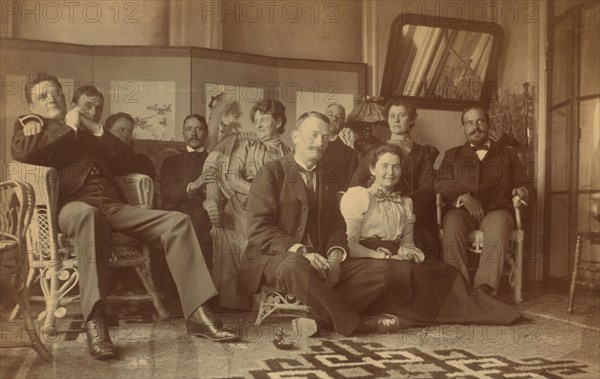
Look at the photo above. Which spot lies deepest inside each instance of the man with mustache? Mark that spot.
(181, 181)
(88, 159)
(480, 181)
(297, 240)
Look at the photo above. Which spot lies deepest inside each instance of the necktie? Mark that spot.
(310, 188)
(482, 147)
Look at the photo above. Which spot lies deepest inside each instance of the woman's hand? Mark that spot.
(409, 253)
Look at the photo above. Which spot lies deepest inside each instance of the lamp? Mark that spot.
(366, 114)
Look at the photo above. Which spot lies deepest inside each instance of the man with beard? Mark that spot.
(181, 184)
(340, 161)
(480, 181)
(297, 240)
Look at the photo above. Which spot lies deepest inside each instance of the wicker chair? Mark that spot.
(516, 239)
(51, 259)
(16, 209)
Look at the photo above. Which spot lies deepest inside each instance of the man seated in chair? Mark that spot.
(91, 206)
(297, 240)
(480, 182)
(181, 181)
(120, 124)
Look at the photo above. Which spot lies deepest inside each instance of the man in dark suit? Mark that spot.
(480, 182)
(181, 182)
(91, 205)
(339, 161)
(297, 239)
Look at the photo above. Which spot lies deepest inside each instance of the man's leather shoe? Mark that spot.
(98, 340)
(203, 323)
(383, 323)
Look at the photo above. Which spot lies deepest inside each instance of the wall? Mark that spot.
(116, 22)
(327, 30)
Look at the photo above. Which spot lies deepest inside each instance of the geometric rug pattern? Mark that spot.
(351, 359)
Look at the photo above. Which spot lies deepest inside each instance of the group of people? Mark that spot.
(347, 237)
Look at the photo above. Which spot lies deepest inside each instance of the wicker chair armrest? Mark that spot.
(138, 189)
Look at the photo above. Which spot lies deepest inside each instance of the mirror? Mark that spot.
(442, 63)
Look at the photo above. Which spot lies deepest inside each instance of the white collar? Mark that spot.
(302, 164)
(198, 150)
(488, 143)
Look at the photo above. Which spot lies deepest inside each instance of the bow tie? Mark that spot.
(390, 196)
(483, 147)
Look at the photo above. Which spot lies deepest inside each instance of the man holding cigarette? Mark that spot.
(480, 182)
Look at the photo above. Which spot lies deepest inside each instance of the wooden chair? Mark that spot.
(590, 267)
(272, 300)
(16, 209)
(51, 258)
(516, 239)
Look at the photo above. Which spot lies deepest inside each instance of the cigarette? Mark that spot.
(524, 203)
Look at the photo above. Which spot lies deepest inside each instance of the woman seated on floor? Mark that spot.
(417, 177)
(246, 159)
(379, 225)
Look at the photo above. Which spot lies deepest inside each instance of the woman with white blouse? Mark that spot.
(379, 225)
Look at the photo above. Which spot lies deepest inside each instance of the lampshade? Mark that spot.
(366, 110)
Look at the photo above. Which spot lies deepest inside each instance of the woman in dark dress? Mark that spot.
(379, 225)
(417, 171)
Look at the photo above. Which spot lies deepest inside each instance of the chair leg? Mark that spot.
(30, 276)
(574, 274)
(52, 295)
(264, 309)
(23, 300)
(145, 276)
(518, 289)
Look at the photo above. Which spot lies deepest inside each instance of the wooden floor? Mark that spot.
(551, 343)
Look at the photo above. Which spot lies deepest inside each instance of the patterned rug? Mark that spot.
(351, 359)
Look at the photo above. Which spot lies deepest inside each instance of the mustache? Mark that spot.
(476, 131)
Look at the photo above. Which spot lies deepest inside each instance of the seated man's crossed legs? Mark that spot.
(90, 227)
(361, 282)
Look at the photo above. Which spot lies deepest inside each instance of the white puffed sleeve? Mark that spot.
(355, 203)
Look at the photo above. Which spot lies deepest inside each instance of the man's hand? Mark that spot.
(520, 197)
(334, 273)
(72, 118)
(31, 128)
(334, 258)
(473, 206)
(88, 124)
(196, 184)
(318, 263)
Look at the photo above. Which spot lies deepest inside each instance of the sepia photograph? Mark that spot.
(326, 189)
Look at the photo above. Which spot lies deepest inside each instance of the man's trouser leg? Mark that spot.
(360, 284)
(457, 224)
(496, 227)
(174, 232)
(90, 233)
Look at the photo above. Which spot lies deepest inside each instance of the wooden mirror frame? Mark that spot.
(431, 100)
